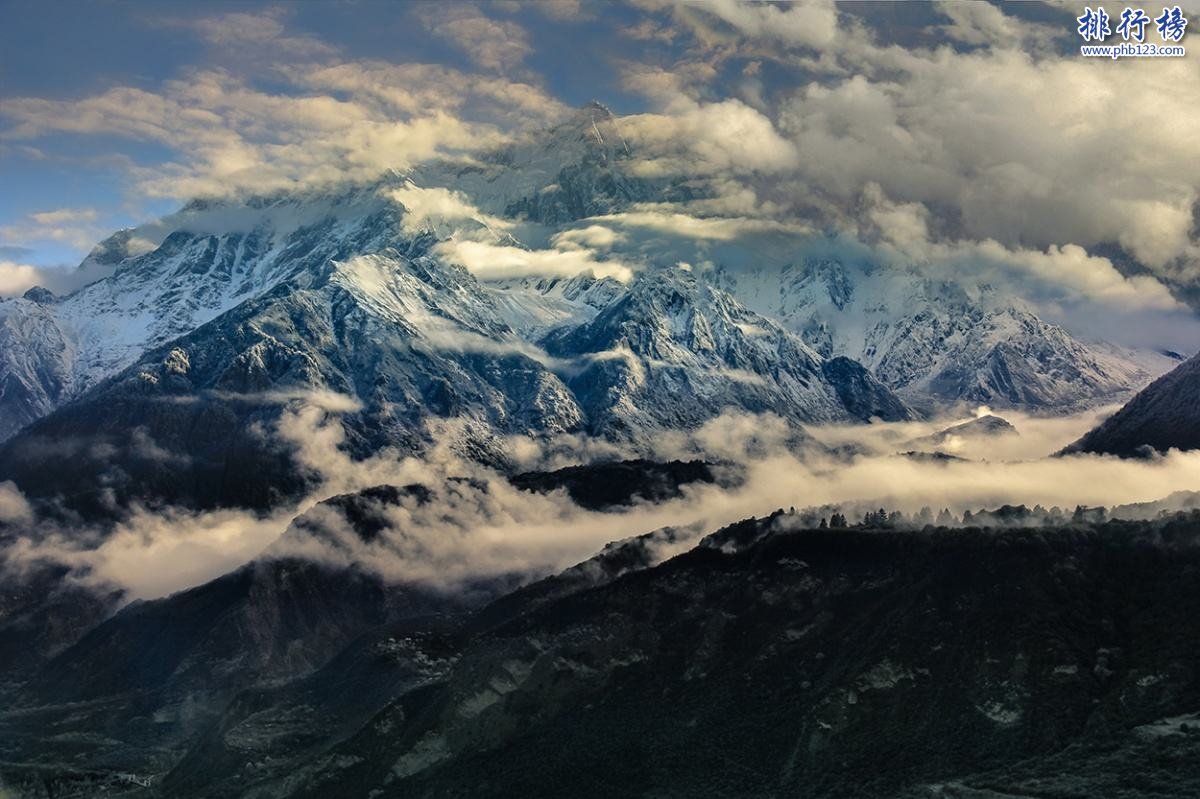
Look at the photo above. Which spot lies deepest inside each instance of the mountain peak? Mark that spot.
(41, 295)
(595, 107)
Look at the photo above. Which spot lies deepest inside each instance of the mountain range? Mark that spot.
(165, 379)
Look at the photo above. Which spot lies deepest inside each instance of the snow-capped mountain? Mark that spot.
(402, 339)
(934, 341)
(673, 348)
(213, 256)
(350, 289)
(1164, 415)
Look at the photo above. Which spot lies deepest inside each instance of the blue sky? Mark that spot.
(954, 134)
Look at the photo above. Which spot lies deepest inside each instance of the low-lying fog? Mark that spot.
(485, 526)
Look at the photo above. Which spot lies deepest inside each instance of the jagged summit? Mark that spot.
(677, 349)
(933, 341)
(596, 105)
(41, 295)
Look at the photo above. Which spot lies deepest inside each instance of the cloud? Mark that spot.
(14, 251)
(245, 33)
(996, 130)
(482, 527)
(498, 45)
(984, 24)
(293, 122)
(1023, 150)
(492, 261)
(596, 237)
(476, 525)
(439, 207)
(415, 88)
(231, 137)
(564, 10)
(707, 138)
(62, 215)
(903, 231)
(14, 509)
(16, 278)
(77, 227)
(808, 23)
(670, 220)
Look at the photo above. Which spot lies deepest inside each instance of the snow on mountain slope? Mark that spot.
(213, 256)
(533, 306)
(934, 341)
(402, 339)
(36, 361)
(673, 350)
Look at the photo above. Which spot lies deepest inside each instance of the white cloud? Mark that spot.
(16, 278)
(807, 23)
(1059, 272)
(483, 526)
(667, 221)
(492, 261)
(415, 88)
(1008, 139)
(62, 215)
(229, 136)
(1028, 151)
(596, 237)
(706, 138)
(440, 207)
(14, 509)
(76, 227)
(498, 45)
(243, 32)
(986, 24)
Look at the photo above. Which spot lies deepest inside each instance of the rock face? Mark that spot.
(169, 378)
(399, 340)
(1165, 415)
(35, 363)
